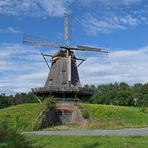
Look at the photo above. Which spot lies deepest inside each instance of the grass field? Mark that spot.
(112, 117)
(88, 141)
(105, 116)
(21, 116)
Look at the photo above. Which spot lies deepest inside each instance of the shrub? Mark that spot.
(49, 102)
(85, 114)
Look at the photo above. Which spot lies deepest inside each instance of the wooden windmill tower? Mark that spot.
(63, 78)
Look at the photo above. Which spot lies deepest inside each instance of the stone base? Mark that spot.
(63, 114)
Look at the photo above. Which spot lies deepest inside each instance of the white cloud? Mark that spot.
(36, 8)
(10, 30)
(21, 68)
(3, 2)
(124, 65)
(111, 2)
(108, 24)
(106, 16)
(121, 2)
(55, 7)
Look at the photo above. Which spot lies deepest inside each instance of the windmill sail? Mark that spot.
(86, 48)
(66, 29)
(37, 41)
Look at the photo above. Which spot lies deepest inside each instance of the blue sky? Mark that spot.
(121, 26)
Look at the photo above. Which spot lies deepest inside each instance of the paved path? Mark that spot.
(121, 132)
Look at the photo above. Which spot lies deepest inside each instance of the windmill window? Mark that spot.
(50, 81)
(63, 83)
(63, 70)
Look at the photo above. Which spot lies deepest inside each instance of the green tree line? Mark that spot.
(119, 94)
(112, 94)
(18, 98)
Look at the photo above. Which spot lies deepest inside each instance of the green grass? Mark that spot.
(21, 116)
(88, 141)
(107, 116)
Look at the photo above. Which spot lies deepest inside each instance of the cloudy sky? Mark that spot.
(121, 26)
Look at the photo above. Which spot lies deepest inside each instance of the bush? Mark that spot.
(85, 114)
(49, 102)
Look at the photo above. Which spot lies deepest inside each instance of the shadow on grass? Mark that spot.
(92, 145)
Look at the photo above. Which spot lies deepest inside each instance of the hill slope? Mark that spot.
(21, 116)
(108, 116)
(104, 116)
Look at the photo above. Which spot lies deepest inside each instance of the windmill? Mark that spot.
(63, 78)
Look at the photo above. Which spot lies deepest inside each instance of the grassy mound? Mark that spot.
(110, 117)
(104, 116)
(21, 116)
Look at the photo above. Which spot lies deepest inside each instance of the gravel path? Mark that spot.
(120, 132)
